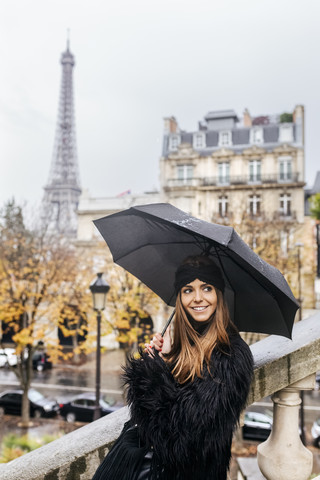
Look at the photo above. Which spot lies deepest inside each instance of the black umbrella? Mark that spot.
(151, 241)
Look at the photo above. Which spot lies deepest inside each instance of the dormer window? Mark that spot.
(198, 140)
(224, 138)
(256, 135)
(286, 133)
(174, 142)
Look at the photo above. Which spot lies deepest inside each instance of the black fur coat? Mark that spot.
(188, 427)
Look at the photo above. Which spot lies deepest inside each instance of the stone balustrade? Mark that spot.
(282, 368)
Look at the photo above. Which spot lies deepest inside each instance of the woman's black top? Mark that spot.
(189, 426)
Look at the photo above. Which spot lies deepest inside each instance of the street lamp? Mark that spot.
(318, 248)
(299, 245)
(317, 279)
(99, 289)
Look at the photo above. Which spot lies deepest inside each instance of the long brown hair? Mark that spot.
(191, 351)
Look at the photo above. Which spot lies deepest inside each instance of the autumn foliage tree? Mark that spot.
(315, 206)
(40, 290)
(271, 239)
(130, 304)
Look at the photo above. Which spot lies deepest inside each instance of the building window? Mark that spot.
(256, 135)
(255, 171)
(223, 173)
(285, 169)
(223, 206)
(224, 138)
(185, 173)
(254, 205)
(286, 133)
(198, 140)
(285, 204)
(174, 141)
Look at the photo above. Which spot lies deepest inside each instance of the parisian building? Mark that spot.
(229, 166)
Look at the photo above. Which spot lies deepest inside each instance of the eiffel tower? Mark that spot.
(62, 192)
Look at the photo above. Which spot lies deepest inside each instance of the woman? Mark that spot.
(185, 398)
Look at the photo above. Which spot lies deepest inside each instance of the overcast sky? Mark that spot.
(138, 61)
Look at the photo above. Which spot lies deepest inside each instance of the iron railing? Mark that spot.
(224, 181)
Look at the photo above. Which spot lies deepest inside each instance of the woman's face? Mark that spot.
(199, 299)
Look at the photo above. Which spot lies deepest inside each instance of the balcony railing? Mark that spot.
(219, 181)
(283, 367)
(285, 215)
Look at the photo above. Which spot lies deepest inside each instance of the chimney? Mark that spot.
(171, 125)
(298, 119)
(247, 121)
(298, 112)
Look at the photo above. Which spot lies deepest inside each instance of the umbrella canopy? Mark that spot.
(151, 241)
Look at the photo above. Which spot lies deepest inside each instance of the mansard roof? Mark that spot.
(240, 135)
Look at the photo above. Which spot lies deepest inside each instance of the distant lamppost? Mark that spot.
(317, 280)
(99, 289)
(299, 245)
(318, 248)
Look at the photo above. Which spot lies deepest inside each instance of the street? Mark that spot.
(65, 381)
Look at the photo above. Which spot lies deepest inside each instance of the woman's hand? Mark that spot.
(162, 344)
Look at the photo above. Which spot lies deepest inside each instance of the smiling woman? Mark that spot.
(202, 320)
(199, 299)
(185, 396)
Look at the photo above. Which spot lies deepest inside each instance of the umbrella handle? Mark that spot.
(168, 323)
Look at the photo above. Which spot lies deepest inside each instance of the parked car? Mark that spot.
(81, 407)
(40, 361)
(257, 426)
(315, 432)
(40, 406)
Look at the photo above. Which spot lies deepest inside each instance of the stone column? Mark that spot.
(283, 456)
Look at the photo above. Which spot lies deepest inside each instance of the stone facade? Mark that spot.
(228, 167)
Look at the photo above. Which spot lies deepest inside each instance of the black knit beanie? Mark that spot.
(187, 273)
